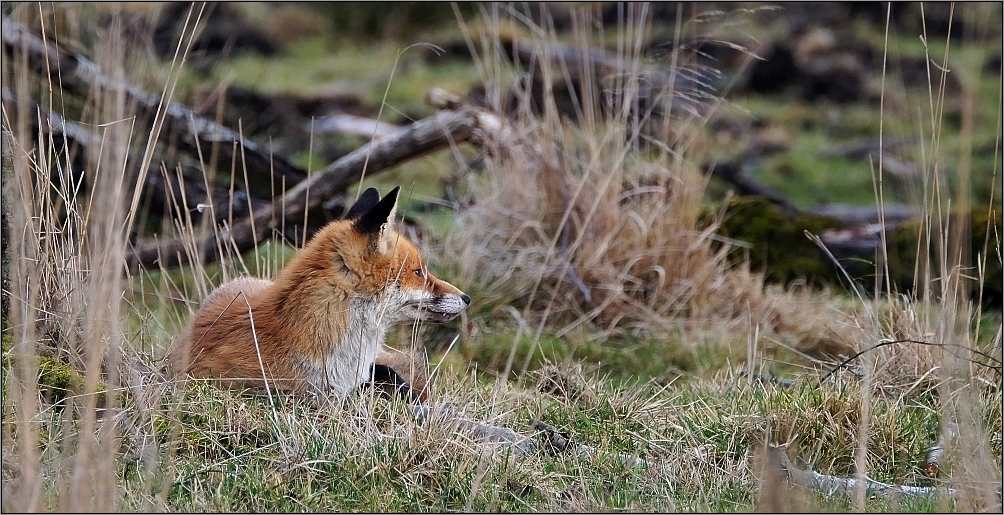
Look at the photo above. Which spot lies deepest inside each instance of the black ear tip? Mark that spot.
(390, 200)
(366, 201)
(370, 220)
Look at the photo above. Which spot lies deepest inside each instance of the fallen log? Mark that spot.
(77, 75)
(866, 148)
(829, 485)
(734, 174)
(426, 135)
(160, 186)
(351, 125)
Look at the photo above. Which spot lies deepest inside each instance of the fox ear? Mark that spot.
(366, 201)
(372, 222)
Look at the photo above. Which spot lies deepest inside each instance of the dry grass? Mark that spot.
(582, 226)
(72, 231)
(598, 215)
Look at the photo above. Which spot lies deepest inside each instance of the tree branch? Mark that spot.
(78, 75)
(160, 186)
(427, 135)
(776, 457)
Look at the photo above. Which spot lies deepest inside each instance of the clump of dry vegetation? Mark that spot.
(596, 208)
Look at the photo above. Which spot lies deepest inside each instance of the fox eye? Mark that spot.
(420, 273)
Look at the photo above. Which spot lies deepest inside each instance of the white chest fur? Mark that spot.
(348, 363)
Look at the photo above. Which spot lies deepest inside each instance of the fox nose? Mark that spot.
(466, 298)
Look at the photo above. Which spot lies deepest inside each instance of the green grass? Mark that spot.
(242, 453)
(321, 66)
(663, 358)
(807, 178)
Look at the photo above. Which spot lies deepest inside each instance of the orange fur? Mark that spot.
(319, 326)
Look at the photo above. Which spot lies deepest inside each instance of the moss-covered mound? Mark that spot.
(984, 253)
(778, 247)
(56, 380)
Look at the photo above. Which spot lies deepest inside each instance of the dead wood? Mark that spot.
(78, 75)
(892, 213)
(866, 147)
(745, 185)
(949, 433)
(778, 461)
(427, 135)
(860, 227)
(162, 187)
(352, 125)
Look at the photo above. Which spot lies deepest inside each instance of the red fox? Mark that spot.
(320, 325)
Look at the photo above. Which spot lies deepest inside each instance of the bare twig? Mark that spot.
(745, 185)
(993, 364)
(866, 147)
(352, 125)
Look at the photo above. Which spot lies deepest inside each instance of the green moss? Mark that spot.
(56, 380)
(778, 245)
(779, 249)
(903, 246)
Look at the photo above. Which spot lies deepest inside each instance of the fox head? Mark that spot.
(363, 258)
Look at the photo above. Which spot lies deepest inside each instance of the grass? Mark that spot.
(808, 178)
(316, 66)
(654, 361)
(296, 457)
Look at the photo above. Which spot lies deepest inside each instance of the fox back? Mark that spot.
(320, 325)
